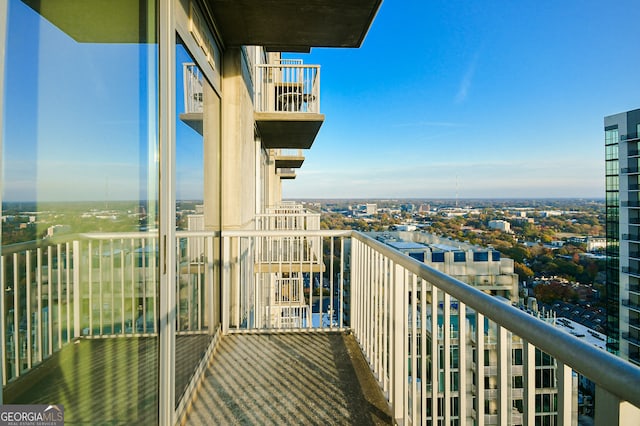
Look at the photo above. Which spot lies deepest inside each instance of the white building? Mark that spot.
(501, 225)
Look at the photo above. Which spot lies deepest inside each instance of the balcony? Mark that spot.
(629, 137)
(631, 304)
(286, 173)
(631, 338)
(294, 26)
(288, 158)
(631, 271)
(287, 104)
(91, 300)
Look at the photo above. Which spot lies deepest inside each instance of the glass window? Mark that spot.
(459, 256)
(611, 136)
(480, 256)
(437, 256)
(80, 160)
(517, 357)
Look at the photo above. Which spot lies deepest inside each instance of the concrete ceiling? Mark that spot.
(294, 25)
(100, 21)
(279, 25)
(288, 130)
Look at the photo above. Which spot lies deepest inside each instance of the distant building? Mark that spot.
(622, 170)
(549, 213)
(500, 225)
(371, 209)
(57, 229)
(483, 268)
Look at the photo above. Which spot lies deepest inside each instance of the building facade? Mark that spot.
(482, 268)
(117, 117)
(622, 157)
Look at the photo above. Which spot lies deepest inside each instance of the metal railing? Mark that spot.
(405, 315)
(95, 286)
(287, 152)
(287, 87)
(388, 287)
(283, 280)
(285, 218)
(193, 91)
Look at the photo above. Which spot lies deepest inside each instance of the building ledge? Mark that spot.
(294, 25)
(288, 129)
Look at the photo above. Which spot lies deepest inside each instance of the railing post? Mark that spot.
(529, 361)
(226, 284)
(77, 298)
(480, 344)
(3, 338)
(565, 407)
(504, 409)
(399, 377)
(610, 410)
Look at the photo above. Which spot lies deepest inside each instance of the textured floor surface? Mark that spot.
(289, 379)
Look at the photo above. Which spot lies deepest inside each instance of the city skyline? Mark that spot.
(473, 100)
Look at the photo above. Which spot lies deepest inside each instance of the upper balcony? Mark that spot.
(287, 158)
(286, 174)
(287, 104)
(294, 26)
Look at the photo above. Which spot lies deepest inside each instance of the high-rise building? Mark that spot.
(622, 161)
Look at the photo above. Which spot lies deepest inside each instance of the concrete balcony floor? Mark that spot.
(289, 378)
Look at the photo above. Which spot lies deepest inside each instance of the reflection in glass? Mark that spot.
(80, 193)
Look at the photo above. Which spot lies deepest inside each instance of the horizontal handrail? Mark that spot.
(619, 377)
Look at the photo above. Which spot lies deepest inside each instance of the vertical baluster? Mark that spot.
(76, 297)
(423, 352)
(16, 315)
(529, 361)
(3, 330)
(504, 345)
(39, 330)
(462, 362)
(341, 283)
(90, 284)
(446, 352)
(480, 370)
(133, 260)
(49, 300)
(415, 414)
(435, 355)
(27, 288)
(68, 286)
(59, 294)
(122, 286)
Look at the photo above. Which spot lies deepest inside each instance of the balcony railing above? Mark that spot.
(287, 104)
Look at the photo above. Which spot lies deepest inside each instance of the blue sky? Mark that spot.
(482, 99)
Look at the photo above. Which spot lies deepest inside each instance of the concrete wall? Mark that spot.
(238, 154)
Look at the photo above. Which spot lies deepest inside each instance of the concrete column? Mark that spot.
(238, 144)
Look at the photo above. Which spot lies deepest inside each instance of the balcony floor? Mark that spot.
(292, 378)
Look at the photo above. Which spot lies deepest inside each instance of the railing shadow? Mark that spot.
(289, 378)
